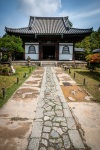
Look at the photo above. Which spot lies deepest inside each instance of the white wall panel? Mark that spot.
(32, 56)
(65, 56)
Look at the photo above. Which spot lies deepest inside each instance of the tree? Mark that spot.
(12, 43)
(93, 61)
(98, 30)
(90, 42)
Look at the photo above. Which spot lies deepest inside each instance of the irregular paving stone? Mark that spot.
(64, 129)
(58, 107)
(46, 118)
(46, 129)
(54, 134)
(58, 140)
(59, 119)
(42, 148)
(66, 141)
(45, 135)
(44, 142)
(58, 130)
(34, 144)
(50, 148)
(52, 140)
(48, 108)
(48, 123)
(51, 104)
(46, 105)
(64, 124)
(76, 139)
(55, 124)
(50, 113)
(59, 113)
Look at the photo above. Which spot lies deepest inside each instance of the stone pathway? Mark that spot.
(54, 127)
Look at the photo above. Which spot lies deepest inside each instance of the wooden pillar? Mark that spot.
(40, 52)
(57, 52)
(74, 51)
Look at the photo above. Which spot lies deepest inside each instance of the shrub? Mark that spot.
(4, 58)
(93, 61)
(5, 70)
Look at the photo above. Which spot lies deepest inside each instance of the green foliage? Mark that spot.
(12, 43)
(93, 61)
(90, 42)
(9, 82)
(4, 58)
(4, 70)
(98, 30)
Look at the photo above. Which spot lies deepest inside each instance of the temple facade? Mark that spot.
(49, 38)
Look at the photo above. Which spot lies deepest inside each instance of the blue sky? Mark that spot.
(16, 13)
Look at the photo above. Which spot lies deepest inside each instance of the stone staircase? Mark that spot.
(48, 63)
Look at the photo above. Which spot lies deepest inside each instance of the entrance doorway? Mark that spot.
(49, 52)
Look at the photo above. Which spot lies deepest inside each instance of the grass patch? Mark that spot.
(92, 80)
(10, 82)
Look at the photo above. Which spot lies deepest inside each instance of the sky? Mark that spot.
(16, 13)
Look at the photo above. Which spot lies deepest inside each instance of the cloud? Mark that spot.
(83, 17)
(86, 14)
(39, 7)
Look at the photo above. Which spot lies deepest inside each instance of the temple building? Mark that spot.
(49, 38)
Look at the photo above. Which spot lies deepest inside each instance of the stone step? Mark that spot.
(48, 63)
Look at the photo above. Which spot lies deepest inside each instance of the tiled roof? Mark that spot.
(48, 25)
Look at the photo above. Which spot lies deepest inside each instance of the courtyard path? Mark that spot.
(54, 127)
(50, 112)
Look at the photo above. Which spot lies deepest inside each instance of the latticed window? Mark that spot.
(65, 50)
(32, 50)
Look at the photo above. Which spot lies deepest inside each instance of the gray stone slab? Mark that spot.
(39, 113)
(40, 103)
(71, 123)
(76, 139)
(34, 144)
(65, 105)
(37, 130)
(43, 88)
(41, 94)
(67, 113)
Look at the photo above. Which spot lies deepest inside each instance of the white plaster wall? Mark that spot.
(65, 56)
(32, 56)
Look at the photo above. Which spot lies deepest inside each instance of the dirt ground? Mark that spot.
(71, 90)
(75, 93)
(84, 110)
(17, 115)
